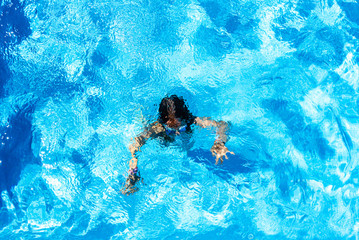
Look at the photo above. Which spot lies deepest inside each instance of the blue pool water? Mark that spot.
(79, 79)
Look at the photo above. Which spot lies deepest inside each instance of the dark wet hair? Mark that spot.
(180, 107)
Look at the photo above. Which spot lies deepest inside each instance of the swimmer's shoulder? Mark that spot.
(156, 128)
(202, 121)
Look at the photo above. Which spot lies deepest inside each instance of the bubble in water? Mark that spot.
(250, 236)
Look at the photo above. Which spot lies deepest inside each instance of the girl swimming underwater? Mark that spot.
(174, 119)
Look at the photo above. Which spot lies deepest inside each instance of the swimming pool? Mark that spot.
(79, 79)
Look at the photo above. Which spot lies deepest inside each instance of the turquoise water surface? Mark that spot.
(79, 79)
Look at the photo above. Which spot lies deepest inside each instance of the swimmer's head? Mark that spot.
(173, 112)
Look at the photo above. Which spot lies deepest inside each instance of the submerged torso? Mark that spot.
(169, 135)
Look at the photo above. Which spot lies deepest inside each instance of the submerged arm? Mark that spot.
(219, 150)
(222, 127)
(151, 131)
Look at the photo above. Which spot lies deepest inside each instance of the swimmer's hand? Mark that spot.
(131, 181)
(219, 150)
